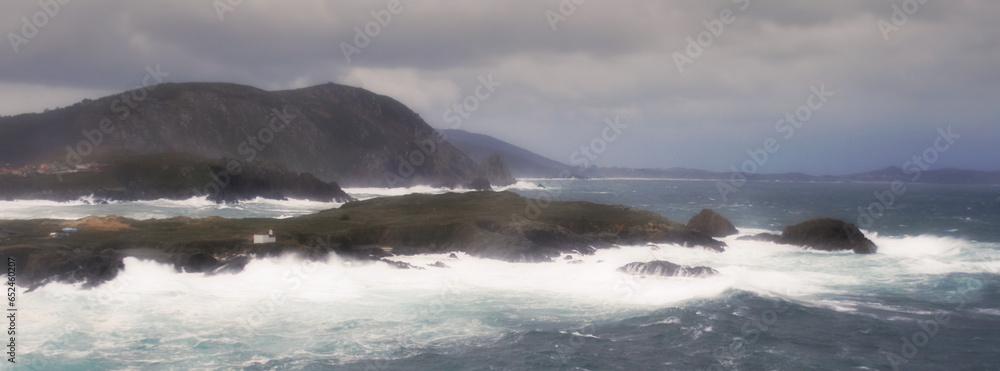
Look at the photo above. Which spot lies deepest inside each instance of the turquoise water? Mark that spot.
(930, 299)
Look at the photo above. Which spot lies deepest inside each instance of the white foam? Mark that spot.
(524, 185)
(159, 209)
(918, 246)
(351, 310)
(363, 193)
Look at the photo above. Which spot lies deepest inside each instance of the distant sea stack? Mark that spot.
(335, 132)
(494, 169)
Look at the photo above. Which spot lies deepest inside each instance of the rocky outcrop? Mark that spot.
(491, 225)
(666, 269)
(711, 223)
(828, 235)
(173, 176)
(495, 170)
(481, 185)
(763, 237)
(821, 234)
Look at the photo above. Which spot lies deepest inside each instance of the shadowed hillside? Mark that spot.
(336, 132)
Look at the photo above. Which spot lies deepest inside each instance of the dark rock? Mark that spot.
(401, 265)
(233, 265)
(568, 257)
(438, 265)
(495, 171)
(453, 256)
(666, 269)
(712, 224)
(199, 263)
(828, 235)
(480, 184)
(765, 237)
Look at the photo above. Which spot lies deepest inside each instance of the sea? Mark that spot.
(928, 300)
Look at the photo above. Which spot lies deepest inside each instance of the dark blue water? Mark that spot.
(943, 210)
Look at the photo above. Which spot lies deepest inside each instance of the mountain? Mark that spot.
(939, 176)
(521, 162)
(337, 133)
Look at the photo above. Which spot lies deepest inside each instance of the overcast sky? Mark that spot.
(561, 72)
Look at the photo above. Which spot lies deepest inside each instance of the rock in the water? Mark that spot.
(766, 237)
(666, 269)
(401, 265)
(438, 265)
(712, 224)
(480, 184)
(495, 170)
(200, 262)
(828, 235)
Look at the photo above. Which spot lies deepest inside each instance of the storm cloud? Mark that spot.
(697, 84)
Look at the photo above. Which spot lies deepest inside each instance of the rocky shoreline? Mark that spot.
(491, 225)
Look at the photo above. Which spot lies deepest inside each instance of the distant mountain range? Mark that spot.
(521, 162)
(526, 164)
(889, 174)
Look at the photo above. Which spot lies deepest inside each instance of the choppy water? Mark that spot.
(930, 299)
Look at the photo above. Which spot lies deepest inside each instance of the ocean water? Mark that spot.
(930, 298)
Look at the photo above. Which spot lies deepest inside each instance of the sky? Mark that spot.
(831, 87)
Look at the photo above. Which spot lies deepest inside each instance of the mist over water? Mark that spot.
(784, 306)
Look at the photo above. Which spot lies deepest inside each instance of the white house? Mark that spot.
(265, 238)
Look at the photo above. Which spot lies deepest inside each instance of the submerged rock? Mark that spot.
(711, 223)
(765, 237)
(666, 269)
(401, 265)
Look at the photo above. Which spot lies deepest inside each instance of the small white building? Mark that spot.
(265, 238)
